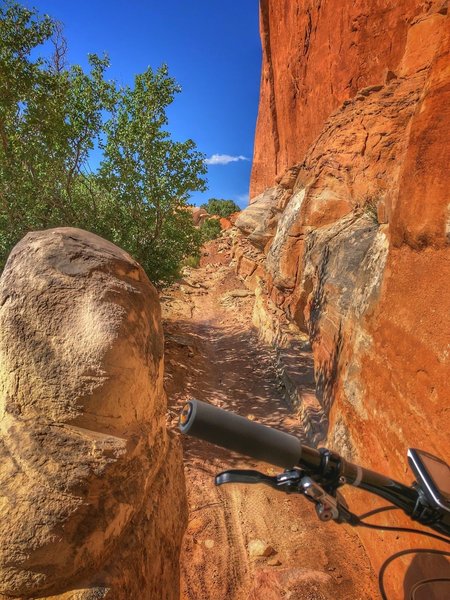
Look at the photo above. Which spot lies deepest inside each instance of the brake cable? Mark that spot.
(403, 530)
(375, 511)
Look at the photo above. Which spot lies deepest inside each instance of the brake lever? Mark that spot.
(327, 506)
(244, 476)
(284, 482)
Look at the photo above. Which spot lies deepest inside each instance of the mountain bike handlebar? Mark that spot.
(238, 434)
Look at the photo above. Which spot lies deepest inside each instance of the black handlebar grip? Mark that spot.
(239, 434)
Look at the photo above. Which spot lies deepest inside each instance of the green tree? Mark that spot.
(222, 208)
(210, 229)
(151, 176)
(52, 116)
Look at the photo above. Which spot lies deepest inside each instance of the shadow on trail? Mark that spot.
(232, 369)
(422, 568)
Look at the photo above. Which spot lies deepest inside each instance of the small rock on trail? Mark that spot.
(258, 548)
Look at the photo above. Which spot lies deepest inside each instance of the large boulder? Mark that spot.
(258, 220)
(92, 493)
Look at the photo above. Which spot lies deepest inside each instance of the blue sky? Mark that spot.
(211, 47)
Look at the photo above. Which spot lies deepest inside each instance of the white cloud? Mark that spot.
(242, 199)
(223, 159)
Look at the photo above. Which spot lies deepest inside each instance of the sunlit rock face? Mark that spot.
(355, 100)
(91, 486)
(316, 55)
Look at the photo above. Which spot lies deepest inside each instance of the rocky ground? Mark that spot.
(244, 542)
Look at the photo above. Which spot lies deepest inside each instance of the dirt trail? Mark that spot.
(213, 354)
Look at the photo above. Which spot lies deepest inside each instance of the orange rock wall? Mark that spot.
(355, 102)
(316, 54)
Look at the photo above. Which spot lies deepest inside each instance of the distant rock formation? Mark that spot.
(199, 215)
(225, 223)
(91, 487)
(349, 217)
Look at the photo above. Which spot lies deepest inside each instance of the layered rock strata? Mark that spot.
(353, 246)
(91, 486)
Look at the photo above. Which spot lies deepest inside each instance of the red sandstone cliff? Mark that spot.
(316, 55)
(351, 242)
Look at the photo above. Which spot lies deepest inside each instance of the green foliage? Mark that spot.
(52, 116)
(192, 261)
(222, 208)
(210, 229)
(49, 120)
(151, 176)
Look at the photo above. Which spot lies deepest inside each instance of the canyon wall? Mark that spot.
(346, 238)
(316, 55)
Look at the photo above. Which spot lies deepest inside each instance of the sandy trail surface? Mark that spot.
(213, 354)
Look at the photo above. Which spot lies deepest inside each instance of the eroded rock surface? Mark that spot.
(317, 55)
(199, 215)
(355, 100)
(91, 486)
